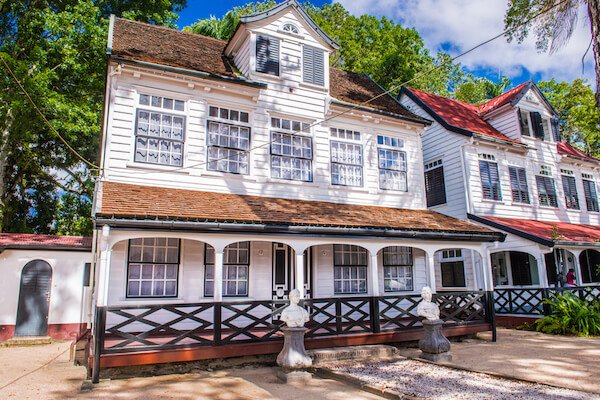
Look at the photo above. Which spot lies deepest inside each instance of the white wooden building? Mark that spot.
(45, 288)
(235, 171)
(503, 165)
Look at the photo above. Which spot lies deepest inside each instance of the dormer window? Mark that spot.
(290, 28)
(267, 55)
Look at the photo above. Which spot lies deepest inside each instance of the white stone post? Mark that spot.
(430, 255)
(218, 275)
(103, 278)
(374, 274)
(299, 276)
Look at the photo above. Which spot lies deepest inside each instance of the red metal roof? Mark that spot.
(566, 149)
(30, 240)
(551, 231)
(460, 115)
(501, 100)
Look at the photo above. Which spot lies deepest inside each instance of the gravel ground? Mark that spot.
(430, 381)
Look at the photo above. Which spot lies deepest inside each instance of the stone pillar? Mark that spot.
(374, 274)
(434, 345)
(299, 276)
(293, 355)
(218, 275)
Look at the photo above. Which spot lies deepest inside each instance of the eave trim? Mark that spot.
(524, 235)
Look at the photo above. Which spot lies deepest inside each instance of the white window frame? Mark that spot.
(452, 256)
(227, 154)
(346, 138)
(303, 133)
(392, 144)
(231, 262)
(352, 272)
(163, 111)
(398, 271)
(155, 265)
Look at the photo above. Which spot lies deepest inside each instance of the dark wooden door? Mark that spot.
(521, 268)
(34, 298)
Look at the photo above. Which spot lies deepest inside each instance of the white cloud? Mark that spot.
(465, 23)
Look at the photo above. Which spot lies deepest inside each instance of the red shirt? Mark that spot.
(570, 278)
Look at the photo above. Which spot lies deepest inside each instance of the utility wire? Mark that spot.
(384, 93)
(52, 129)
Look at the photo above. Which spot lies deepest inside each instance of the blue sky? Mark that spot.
(454, 26)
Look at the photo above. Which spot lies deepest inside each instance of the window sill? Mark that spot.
(492, 201)
(548, 208)
(319, 88)
(230, 175)
(158, 168)
(286, 181)
(151, 300)
(360, 189)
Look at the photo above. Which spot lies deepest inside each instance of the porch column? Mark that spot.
(430, 255)
(103, 278)
(374, 274)
(218, 282)
(542, 274)
(486, 266)
(577, 266)
(299, 272)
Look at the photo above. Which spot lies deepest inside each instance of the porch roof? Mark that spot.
(547, 233)
(30, 241)
(143, 203)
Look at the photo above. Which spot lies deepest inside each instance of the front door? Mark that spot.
(282, 271)
(34, 298)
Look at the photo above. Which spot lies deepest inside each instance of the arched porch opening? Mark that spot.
(458, 269)
(514, 268)
(589, 262)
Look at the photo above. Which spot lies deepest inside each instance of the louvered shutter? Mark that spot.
(484, 171)
(435, 188)
(495, 181)
(546, 191)
(591, 197)
(267, 55)
(555, 129)
(518, 185)
(538, 125)
(523, 123)
(313, 65)
(570, 190)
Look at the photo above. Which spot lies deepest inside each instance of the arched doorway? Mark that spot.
(34, 299)
(589, 261)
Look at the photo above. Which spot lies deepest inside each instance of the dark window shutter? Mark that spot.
(87, 268)
(523, 123)
(490, 180)
(538, 125)
(591, 197)
(555, 129)
(518, 185)
(267, 55)
(570, 189)
(546, 191)
(313, 65)
(435, 188)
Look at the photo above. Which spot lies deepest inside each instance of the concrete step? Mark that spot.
(26, 341)
(378, 352)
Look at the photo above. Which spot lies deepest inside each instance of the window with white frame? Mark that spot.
(152, 267)
(589, 190)
(397, 268)
(346, 159)
(159, 130)
(392, 163)
(236, 265)
(490, 178)
(228, 140)
(435, 186)
(453, 268)
(290, 28)
(349, 269)
(518, 185)
(291, 153)
(546, 190)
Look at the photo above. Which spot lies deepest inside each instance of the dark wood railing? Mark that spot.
(530, 301)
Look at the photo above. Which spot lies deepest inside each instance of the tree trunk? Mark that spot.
(594, 14)
(4, 153)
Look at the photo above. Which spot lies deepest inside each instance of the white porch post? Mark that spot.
(577, 266)
(103, 278)
(218, 282)
(374, 274)
(541, 264)
(486, 266)
(299, 272)
(430, 255)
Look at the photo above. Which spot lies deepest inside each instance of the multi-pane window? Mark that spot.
(490, 179)
(236, 262)
(291, 154)
(397, 268)
(591, 196)
(313, 65)
(159, 130)
(267, 55)
(435, 187)
(518, 185)
(392, 163)
(546, 191)
(228, 140)
(349, 269)
(453, 268)
(346, 159)
(290, 28)
(570, 190)
(541, 128)
(152, 267)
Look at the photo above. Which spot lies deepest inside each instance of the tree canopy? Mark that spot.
(56, 50)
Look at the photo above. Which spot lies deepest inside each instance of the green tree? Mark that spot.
(474, 90)
(580, 120)
(223, 28)
(55, 49)
(554, 26)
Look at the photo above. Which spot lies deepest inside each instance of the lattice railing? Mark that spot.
(530, 301)
(462, 307)
(398, 312)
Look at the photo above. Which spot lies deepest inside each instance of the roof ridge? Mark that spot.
(224, 42)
